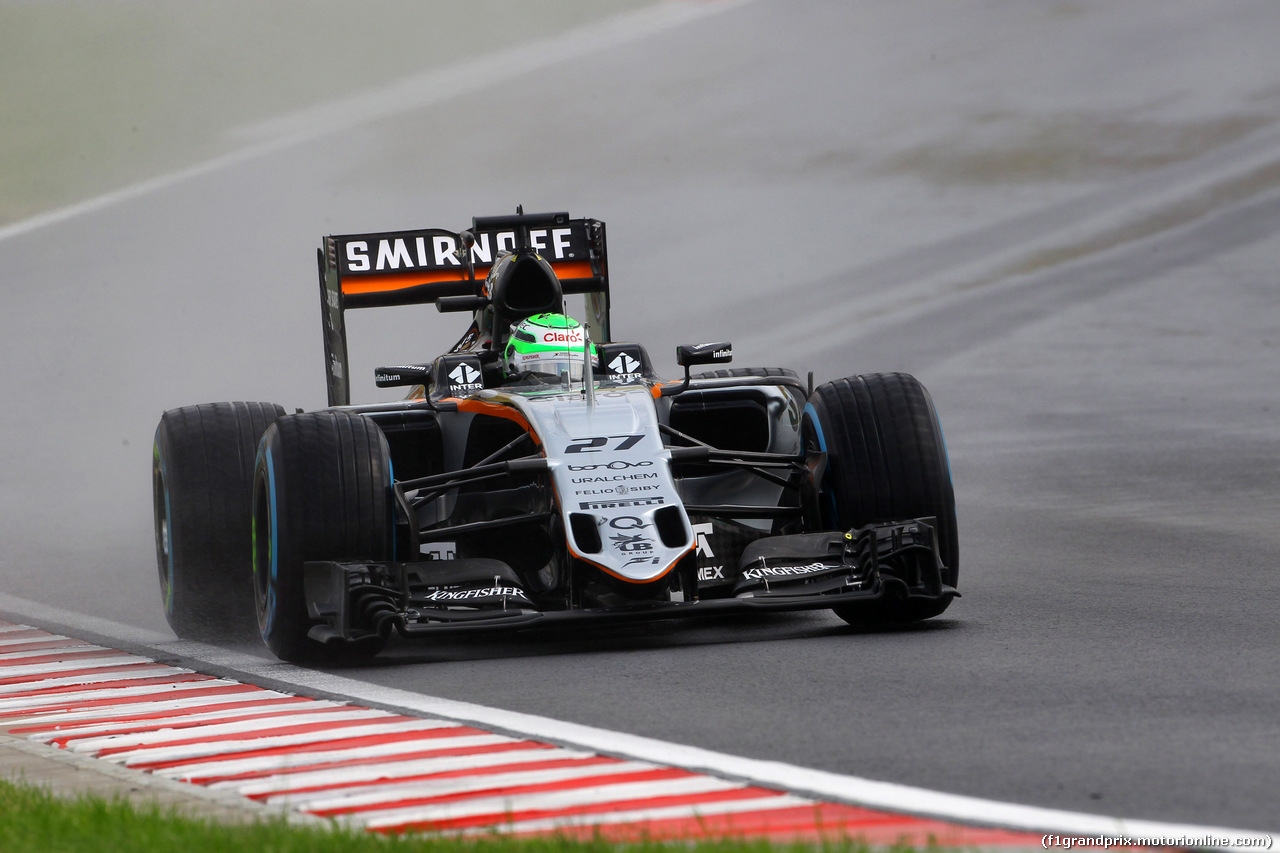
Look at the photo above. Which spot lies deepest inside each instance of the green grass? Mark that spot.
(95, 96)
(33, 820)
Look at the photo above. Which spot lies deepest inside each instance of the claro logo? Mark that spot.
(562, 338)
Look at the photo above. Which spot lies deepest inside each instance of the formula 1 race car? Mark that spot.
(540, 472)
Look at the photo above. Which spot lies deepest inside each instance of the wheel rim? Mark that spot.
(164, 540)
(263, 536)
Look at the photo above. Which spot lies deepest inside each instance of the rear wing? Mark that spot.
(419, 267)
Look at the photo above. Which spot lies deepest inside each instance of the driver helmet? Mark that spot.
(549, 344)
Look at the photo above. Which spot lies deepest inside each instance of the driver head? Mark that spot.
(547, 344)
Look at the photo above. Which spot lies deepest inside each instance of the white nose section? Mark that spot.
(613, 481)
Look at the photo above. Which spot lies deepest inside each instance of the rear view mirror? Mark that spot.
(716, 353)
(404, 374)
(690, 354)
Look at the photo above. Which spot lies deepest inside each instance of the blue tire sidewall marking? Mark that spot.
(391, 486)
(274, 539)
(942, 437)
(168, 521)
(272, 544)
(812, 414)
(817, 425)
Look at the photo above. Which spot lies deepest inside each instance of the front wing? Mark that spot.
(885, 564)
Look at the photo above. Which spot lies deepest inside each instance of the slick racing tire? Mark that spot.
(886, 461)
(759, 372)
(736, 372)
(202, 487)
(322, 490)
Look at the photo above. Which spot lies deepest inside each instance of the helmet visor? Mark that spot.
(553, 364)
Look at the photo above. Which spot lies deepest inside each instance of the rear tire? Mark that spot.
(757, 373)
(886, 461)
(738, 372)
(322, 490)
(202, 490)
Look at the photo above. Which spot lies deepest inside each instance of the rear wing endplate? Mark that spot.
(419, 267)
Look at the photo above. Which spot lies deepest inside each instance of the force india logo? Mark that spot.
(785, 571)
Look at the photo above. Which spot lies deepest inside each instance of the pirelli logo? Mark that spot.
(617, 504)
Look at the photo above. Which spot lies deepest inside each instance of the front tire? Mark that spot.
(202, 484)
(322, 490)
(886, 461)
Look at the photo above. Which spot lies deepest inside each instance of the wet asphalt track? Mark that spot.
(1061, 218)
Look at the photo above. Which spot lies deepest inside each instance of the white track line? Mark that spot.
(402, 96)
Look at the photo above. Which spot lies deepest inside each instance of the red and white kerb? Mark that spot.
(390, 772)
